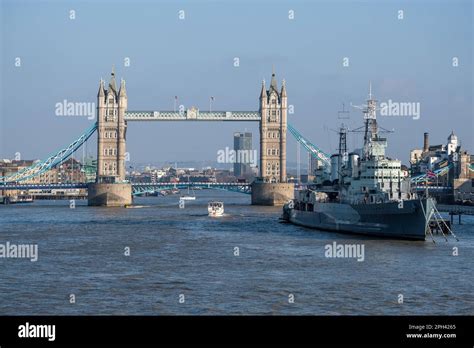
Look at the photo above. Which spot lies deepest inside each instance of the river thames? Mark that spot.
(183, 262)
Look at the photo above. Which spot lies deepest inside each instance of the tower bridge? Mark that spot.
(113, 118)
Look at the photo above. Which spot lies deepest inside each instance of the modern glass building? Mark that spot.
(243, 152)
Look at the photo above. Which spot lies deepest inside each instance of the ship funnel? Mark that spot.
(426, 144)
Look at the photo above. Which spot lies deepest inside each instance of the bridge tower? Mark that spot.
(110, 188)
(272, 187)
(273, 124)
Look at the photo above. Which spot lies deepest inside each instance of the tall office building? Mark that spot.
(243, 154)
(313, 164)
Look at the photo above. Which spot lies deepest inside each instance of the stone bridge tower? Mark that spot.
(111, 188)
(111, 136)
(272, 187)
(273, 126)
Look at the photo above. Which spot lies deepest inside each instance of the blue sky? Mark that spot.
(407, 60)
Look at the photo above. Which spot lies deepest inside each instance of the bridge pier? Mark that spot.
(274, 194)
(109, 195)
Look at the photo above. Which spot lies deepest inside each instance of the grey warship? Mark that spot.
(364, 192)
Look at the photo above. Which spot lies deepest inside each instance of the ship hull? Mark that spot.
(386, 220)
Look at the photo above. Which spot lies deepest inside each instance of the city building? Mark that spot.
(90, 169)
(451, 163)
(157, 174)
(68, 172)
(10, 167)
(243, 155)
(71, 171)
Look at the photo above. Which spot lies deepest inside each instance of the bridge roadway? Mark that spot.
(42, 186)
(138, 188)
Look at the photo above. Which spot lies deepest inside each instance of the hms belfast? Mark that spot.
(366, 193)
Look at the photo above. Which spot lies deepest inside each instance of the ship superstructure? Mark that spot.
(365, 191)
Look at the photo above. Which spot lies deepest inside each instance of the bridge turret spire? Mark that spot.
(112, 84)
(101, 92)
(283, 89)
(273, 84)
(263, 92)
(123, 91)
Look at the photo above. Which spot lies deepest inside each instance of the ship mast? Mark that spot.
(342, 150)
(370, 122)
(370, 117)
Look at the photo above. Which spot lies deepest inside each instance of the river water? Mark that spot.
(183, 262)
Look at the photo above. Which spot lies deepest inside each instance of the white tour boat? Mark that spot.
(215, 208)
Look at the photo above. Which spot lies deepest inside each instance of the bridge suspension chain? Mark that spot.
(315, 151)
(57, 158)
